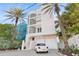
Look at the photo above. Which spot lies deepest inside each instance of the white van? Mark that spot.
(41, 47)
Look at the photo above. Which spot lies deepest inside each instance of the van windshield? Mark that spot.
(41, 44)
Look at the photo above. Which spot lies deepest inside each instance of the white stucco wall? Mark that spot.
(48, 25)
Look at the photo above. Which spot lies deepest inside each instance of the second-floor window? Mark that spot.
(32, 21)
(32, 30)
(33, 15)
(39, 29)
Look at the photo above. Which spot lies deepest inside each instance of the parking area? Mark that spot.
(29, 53)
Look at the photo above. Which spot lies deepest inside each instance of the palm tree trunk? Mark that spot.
(63, 32)
(14, 29)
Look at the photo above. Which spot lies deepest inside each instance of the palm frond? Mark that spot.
(47, 10)
(46, 4)
(50, 7)
(56, 26)
(46, 7)
(15, 14)
(8, 15)
(51, 12)
(12, 20)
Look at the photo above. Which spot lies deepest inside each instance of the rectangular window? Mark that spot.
(33, 15)
(39, 29)
(32, 21)
(32, 29)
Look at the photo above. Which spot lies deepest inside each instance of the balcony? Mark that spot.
(35, 29)
(32, 15)
(32, 21)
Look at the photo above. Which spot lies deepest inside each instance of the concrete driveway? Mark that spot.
(29, 53)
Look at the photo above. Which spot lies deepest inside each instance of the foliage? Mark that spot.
(6, 30)
(8, 44)
(6, 34)
(50, 7)
(15, 14)
(74, 49)
(70, 19)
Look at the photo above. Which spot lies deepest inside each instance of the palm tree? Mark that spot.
(49, 8)
(15, 14)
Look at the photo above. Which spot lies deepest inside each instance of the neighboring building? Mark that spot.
(41, 28)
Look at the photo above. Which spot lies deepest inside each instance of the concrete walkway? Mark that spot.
(29, 53)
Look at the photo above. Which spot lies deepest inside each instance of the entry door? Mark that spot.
(32, 43)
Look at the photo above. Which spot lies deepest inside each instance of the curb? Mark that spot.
(60, 54)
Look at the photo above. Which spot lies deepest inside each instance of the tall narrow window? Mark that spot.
(39, 29)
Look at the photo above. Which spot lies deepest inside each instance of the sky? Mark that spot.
(3, 7)
(27, 6)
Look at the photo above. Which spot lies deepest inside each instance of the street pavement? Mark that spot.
(29, 53)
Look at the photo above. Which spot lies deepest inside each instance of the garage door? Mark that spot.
(52, 43)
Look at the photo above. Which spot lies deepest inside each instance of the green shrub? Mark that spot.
(6, 34)
(74, 49)
(9, 44)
